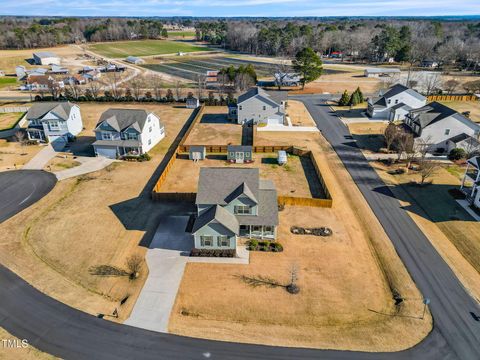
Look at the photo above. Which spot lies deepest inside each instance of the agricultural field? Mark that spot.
(181, 34)
(190, 67)
(6, 82)
(122, 49)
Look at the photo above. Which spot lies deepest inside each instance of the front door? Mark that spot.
(239, 157)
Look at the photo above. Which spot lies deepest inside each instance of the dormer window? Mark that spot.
(242, 210)
(106, 136)
(447, 131)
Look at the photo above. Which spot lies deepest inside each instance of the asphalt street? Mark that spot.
(60, 330)
(22, 188)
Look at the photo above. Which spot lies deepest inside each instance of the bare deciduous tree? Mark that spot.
(390, 134)
(134, 265)
(20, 136)
(426, 169)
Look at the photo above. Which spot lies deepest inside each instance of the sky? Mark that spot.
(229, 8)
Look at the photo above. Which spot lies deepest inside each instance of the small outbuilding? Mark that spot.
(197, 152)
(134, 60)
(192, 102)
(240, 153)
(46, 58)
(381, 72)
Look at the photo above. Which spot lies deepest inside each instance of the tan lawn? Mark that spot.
(14, 156)
(61, 162)
(28, 353)
(450, 229)
(299, 114)
(95, 219)
(215, 129)
(289, 179)
(345, 280)
(8, 120)
(368, 135)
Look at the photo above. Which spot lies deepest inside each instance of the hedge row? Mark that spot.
(213, 253)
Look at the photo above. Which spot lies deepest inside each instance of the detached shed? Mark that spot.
(381, 72)
(239, 153)
(197, 152)
(192, 103)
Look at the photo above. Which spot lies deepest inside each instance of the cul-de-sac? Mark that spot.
(257, 180)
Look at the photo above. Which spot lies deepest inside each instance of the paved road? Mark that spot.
(68, 333)
(21, 188)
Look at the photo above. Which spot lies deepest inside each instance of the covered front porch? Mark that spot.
(258, 231)
(35, 134)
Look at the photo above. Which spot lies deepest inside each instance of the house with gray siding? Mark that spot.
(54, 122)
(441, 128)
(121, 132)
(233, 203)
(240, 153)
(395, 103)
(259, 106)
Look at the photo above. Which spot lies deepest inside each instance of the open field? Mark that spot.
(449, 227)
(13, 155)
(215, 129)
(290, 179)
(8, 120)
(181, 34)
(6, 82)
(14, 353)
(461, 106)
(122, 49)
(343, 298)
(58, 243)
(190, 67)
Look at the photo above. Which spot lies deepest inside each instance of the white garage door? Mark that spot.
(110, 153)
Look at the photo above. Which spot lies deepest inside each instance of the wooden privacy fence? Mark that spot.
(452, 98)
(14, 109)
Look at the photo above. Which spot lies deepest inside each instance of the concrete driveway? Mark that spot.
(166, 259)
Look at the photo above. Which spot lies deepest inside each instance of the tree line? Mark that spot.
(449, 43)
(23, 33)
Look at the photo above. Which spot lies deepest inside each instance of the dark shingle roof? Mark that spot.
(431, 113)
(121, 119)
(218, 214)
(61, 109)
(275, 97)
(245, 148)
(196, 148)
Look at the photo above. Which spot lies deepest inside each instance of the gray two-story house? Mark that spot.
(258, 106)
(54, 122)
(122, 132)
(232, 203)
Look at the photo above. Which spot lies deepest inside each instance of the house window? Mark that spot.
(396, 101)
(240, 107)
(53, 125)
(206, 240)
(106, 136)
(232, 154)
(150, 129)
(149, 141)
(389, 101)
(223, 241)
(256, 229)
(242, 209)
(130, 136)
(447, 131)
(268, 229)
(264, 108)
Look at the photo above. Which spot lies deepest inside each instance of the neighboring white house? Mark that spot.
(122, 132)
(440, 127)
(380, 72)
(134, 60)
(192, 102)
(395, 103)
(46, 58)
(55, 122)
(258, 106)
(471, 181)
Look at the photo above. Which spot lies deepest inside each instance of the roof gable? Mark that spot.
(242, 189)
(219, 215)
(60, 109)
(123, 119)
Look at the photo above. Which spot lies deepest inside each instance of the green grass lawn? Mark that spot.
(122, 49)
(7, 81)
(181, 33)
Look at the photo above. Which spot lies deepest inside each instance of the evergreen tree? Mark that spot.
(308, 64)
(344, 100)
(361, 98)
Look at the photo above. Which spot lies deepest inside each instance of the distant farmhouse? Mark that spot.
(442, 128)
(55, 122)
(46, 58)
(258, 106)
(232, 203)
(381, 72)
(395, 103)
(121, 132)
(286, 79)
